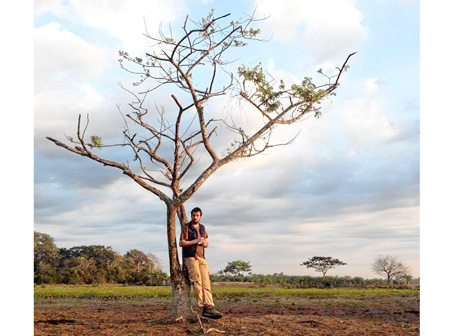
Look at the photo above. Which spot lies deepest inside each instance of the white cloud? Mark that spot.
(372, 85)
(66, 67)
(123, 19)
(325, 27)
(92, 98)
(62, 58)
(365, 119)
(43, 6)
(57, 110)
(406, 2)
(66, 64)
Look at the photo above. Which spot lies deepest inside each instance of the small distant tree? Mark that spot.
(138, 266)
(322, 264)
(404, 279)
(237, 268)
(138, 260)
(154, 261)
(116, 270)
(390, 268)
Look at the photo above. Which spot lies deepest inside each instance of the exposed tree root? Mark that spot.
(202, 328)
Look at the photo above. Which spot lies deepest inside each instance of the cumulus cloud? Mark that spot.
(61, 58)
(406, 2)
(327, 28)
(126, 20)
(66, 70)
(365, 120)
(44, 6)
(118, 203)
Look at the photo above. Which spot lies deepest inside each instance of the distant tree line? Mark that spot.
(306, 281)
(97, 264)
(396, 273)
(93, 264)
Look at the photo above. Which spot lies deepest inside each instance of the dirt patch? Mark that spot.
(384, 315)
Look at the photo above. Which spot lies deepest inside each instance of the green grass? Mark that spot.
(121, 291)
(95, 291)
(283, 292)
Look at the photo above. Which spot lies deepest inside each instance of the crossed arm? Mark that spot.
(186, 243)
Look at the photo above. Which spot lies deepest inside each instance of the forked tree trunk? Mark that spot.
(181, 303)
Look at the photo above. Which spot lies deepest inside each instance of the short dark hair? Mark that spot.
(197, 209)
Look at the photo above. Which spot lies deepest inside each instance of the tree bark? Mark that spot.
(181, 303)
(181, 212)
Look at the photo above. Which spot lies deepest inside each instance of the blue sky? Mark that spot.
(348, 187)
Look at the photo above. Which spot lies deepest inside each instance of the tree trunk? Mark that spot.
(181, 212)
(181, 303)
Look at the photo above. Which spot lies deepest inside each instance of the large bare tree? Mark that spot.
(192, 64)
(390, 267)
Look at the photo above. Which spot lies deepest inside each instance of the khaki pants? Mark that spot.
(199, 278)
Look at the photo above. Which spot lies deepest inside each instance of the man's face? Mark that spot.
(196, 216)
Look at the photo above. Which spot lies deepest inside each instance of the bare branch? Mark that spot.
(120, 166)
(343, 68)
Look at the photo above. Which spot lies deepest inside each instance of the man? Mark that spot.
(193, 240)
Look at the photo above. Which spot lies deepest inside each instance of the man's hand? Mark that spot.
(199, 240)
(186, 243)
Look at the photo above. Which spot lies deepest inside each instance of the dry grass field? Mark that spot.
(247, 311)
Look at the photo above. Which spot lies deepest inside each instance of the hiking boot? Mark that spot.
(211, 312)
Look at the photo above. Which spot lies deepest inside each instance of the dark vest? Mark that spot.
(191, 251)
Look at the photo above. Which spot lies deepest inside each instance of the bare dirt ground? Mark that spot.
(356, 315)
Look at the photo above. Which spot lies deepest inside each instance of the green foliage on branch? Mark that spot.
(270, 97)
(265, 92)
(96, 141)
